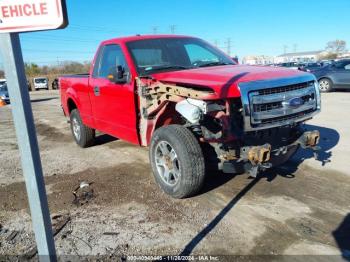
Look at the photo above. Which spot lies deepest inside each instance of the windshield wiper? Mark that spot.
(168, 67)
(214, 64)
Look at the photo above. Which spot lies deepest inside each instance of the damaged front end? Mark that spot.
(261, 129)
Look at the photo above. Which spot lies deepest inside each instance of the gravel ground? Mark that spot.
(301, 208)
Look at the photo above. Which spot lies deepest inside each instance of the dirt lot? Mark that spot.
(301, 208)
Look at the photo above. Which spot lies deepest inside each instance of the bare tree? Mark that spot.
(2, 74)
(336, 46)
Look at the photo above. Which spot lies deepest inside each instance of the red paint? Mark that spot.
(116, 110)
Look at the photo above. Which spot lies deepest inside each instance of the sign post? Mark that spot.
(21, 16)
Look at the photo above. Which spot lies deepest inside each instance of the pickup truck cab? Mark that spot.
(193, 106)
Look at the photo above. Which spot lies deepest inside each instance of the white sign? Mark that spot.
(31, 15)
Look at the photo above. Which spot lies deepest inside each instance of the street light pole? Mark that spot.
(28, 145)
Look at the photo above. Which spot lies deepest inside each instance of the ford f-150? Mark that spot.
(193, 106)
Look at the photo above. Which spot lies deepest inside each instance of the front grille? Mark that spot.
(285, 118)
(277, 105)
(281, 104)
(284, 89)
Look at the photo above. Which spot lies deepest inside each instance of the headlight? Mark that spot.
(3, 97)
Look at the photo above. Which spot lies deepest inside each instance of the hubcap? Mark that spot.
(76, 128)
(167, 163)
(324, 85)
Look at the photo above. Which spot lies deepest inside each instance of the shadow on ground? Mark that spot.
(342, 237)
(104, 139)
(43, 99)
(329, 139)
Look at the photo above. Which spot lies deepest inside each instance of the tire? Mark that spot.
(83, 135)
(181, 172)
(326, 85)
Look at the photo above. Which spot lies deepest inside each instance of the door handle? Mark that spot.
(97, 90)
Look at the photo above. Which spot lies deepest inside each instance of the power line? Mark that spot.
(228, 45)
(54, 51)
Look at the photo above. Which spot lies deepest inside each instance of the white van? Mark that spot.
(41, 83)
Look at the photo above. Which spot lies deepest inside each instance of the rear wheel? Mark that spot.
(325, 84)
(83, 135)
(177, 161)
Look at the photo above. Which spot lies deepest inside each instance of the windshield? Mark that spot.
(40, 81)
(171, 54)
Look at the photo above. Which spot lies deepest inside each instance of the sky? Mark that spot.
(254, 27)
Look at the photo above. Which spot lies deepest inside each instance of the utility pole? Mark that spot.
(172, 29)
(155, 30)
(285, 47)
(228, 45)
(295, 46)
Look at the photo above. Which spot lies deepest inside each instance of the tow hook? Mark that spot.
(258, 157)
(257, 154)
(310, 139)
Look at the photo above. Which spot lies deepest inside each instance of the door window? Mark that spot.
(111, 57)
(347, 67)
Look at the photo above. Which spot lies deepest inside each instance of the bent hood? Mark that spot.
(224, 80)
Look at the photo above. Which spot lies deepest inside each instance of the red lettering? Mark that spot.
(20, 10)
(5, 11)
(13, 10)
(35, 11)
(43, 8)
(26, 11)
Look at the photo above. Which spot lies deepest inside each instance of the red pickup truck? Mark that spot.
(193, 106)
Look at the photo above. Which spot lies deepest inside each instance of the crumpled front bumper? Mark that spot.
(259, 158)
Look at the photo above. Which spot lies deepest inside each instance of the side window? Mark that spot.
(110, 57)
(97, 62)
(347, 67)
(197, 53)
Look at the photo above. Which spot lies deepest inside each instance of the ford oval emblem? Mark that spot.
(295, 102)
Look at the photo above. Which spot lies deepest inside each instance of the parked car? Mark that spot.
(193, 106)
(335, 75)
(291, 65)
(2, 82)
(308, 67)
(41, 83)
(4, 95)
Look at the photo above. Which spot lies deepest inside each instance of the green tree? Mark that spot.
(32, 69)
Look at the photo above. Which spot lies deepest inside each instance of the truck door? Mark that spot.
(113, 104)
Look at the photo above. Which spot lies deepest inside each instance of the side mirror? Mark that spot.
(118, 75)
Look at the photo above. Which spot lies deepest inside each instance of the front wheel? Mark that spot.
(177, 161)
(83, 135)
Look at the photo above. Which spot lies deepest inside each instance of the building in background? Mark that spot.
(258, 60)
(344, 55)
(301, 57)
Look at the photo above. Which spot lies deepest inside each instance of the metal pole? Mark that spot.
(28, 145)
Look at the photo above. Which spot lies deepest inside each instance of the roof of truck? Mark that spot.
(141, 37)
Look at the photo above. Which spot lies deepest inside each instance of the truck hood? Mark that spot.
(224, 80)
